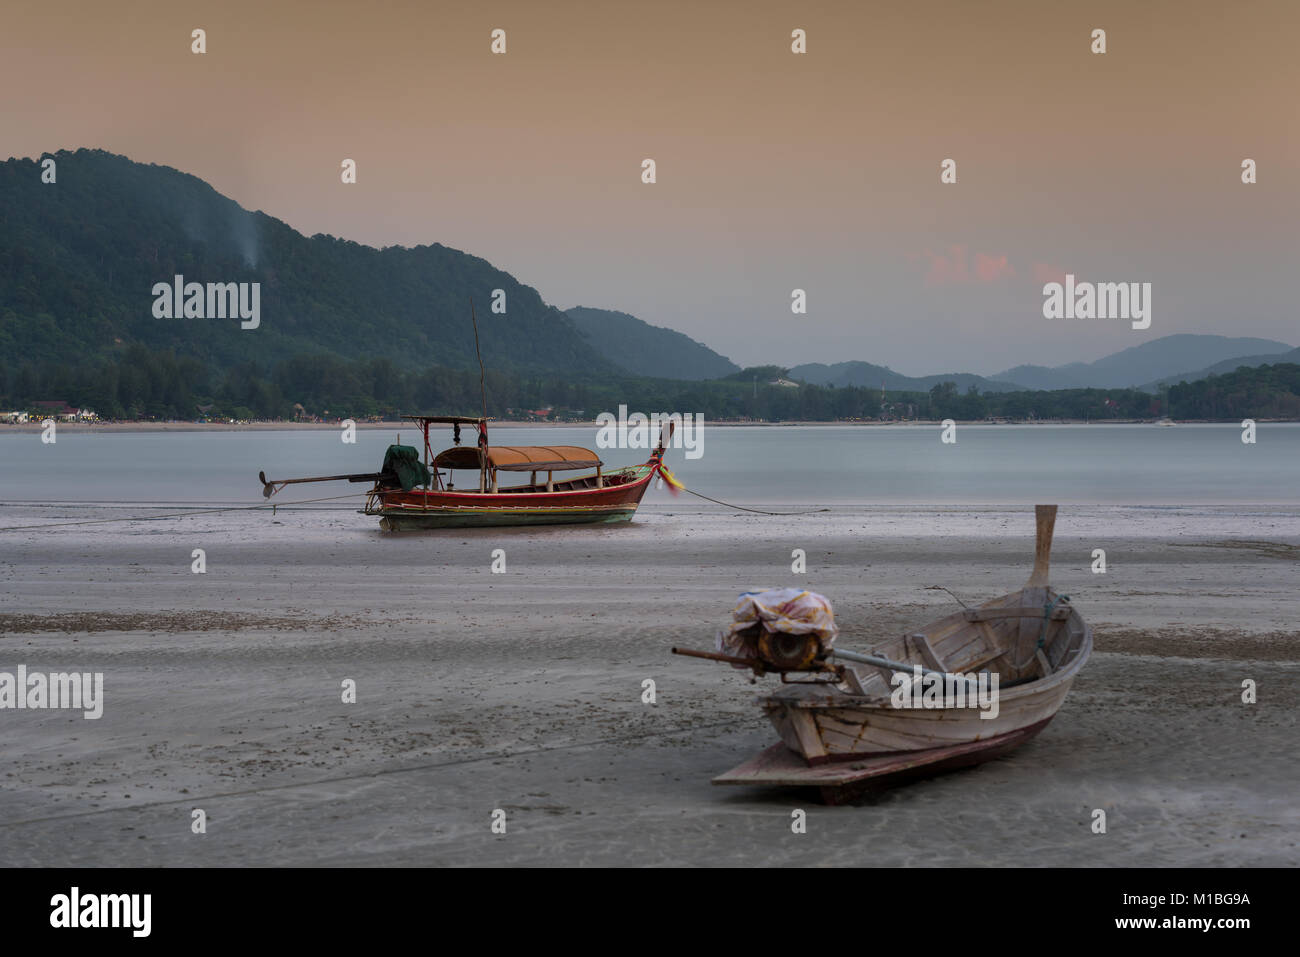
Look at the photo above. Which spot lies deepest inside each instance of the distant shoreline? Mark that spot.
(82, 427)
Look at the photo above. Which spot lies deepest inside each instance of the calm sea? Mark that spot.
(832, 465)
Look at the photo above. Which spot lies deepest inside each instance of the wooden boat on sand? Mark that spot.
(960, 691)
(408, 493)
(412, 494)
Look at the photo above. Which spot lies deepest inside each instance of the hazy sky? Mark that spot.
(775, 171)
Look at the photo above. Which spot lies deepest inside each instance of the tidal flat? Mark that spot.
(524, 692)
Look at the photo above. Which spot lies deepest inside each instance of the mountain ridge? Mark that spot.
(644, 349)
(1132, 367)
(79, 258)
(1226, 366)
(869, 375)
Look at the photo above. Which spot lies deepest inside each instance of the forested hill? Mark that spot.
(79, 258)
(643, 349)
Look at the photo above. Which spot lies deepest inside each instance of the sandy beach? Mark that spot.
(522, 691)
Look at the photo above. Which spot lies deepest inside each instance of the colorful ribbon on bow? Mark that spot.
(674, 486)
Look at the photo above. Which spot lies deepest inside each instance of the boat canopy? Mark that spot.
(445, 419)
(520, 458)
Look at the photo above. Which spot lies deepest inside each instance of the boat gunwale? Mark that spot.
(490, 509)
(382, 504)
(621, 486)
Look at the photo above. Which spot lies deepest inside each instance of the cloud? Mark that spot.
(947, 269)
(992, 268)
(957, 267)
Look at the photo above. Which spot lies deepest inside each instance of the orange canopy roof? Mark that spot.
(520, 458)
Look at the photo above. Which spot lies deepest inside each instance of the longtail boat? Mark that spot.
(858, 723)
(408, 493)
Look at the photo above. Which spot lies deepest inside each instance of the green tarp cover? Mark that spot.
(404, 462)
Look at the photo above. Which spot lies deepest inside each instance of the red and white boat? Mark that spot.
(410, 493)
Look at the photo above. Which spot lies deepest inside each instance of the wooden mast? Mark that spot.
(482, 448)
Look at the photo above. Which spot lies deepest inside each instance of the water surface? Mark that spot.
(779, 465)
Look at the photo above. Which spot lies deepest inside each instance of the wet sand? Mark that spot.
(522, 691)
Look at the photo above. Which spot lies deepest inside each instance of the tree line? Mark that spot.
(141, 383)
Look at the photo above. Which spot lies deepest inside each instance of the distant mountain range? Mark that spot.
(1226, 366)
(869, 376)
(1162, 361)
(1172, 358)
(79, 258)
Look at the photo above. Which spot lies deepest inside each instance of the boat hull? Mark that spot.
(839, 782)
(849, 732)
(419, 509)
(965, 688)
(489, 517)
(826, 723)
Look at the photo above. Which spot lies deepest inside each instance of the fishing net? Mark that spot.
(404, 462)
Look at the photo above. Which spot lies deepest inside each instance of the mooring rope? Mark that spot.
(941, 588)
(334, 498)
(757, 511)
(1042, 632)
(194, 511)
(1047, 618)
(675, 484)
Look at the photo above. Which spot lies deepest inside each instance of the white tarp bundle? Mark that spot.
(777, 609)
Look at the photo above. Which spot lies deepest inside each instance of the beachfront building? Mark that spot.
(58, 409)
(55, 409)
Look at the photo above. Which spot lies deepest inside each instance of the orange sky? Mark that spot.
(776, 171)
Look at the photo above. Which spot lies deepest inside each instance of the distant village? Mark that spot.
(60, 411)
(56, 409)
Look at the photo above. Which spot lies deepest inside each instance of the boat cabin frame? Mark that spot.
(490, 460)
